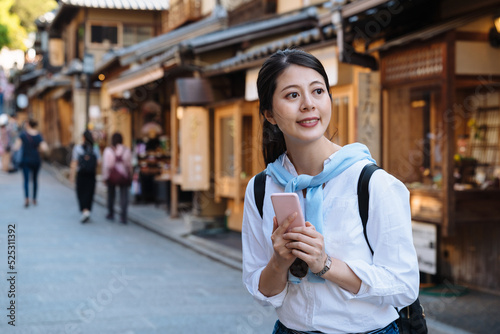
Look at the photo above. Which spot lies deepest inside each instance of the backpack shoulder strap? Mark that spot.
(87, 150)
(364, 196)
(363, 199)
(118, 158)
(259, 190)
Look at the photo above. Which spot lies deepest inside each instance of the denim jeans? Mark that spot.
(392, 328)
(124, 193)
(32, 168)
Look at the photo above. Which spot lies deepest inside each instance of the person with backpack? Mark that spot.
(323, 277)
(117, 172)
(84, 162)
(28, 146)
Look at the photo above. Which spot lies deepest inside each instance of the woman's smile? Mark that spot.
(309, 122)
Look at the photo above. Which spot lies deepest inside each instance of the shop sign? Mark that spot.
(476, 57)
(425, 241)
(194, 149)
(251, 84)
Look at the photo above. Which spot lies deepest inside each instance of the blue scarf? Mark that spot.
(341, 160)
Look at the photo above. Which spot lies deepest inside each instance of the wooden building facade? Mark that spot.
(440, 110)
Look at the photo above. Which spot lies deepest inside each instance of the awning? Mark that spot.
(117, 86)
(284, 23)
(162, 43)
(357, 7)
(32, 75)
(60, 92)
(44, 84)
(429, 32)
(247, 59)
(156, 45)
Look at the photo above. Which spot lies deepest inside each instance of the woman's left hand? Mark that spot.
(307, 244)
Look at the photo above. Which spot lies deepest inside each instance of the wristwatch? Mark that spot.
(328, 263)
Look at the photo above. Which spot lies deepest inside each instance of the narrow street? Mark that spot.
(104, 277)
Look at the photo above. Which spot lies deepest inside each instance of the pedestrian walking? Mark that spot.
(28, 145)
(339, 287)
(13, 133)
(4, 143)
(116, 172)
(85, 159)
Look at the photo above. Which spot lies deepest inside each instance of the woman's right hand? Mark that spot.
(274, 276)
(282, 254)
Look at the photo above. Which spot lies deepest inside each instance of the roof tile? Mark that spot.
(120, 4)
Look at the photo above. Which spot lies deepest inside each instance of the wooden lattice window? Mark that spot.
(421, 63)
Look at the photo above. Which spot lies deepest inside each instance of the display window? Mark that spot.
(477, 137)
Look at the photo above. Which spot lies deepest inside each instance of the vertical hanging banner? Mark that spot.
(195, 163)
(369, 118)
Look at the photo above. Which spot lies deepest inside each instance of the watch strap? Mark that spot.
(328, 264)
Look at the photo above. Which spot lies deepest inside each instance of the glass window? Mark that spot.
(136, 34)
(101, 33)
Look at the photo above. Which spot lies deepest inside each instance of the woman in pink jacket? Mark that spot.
(116, 172)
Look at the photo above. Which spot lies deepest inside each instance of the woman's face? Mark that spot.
(301, 105)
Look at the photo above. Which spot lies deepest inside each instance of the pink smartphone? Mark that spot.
(284, 205)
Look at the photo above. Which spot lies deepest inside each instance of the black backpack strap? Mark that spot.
(412, 316)
(364, 196)
(87, 149)
(118, 158)
(259, 190)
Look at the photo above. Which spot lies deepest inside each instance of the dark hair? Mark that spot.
(32, 123)
(273, 141)
(89, 139)
(116, 139)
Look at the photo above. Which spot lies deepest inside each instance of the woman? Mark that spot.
(30, 141)
(117, 161)
(85, 159)
(346, 289)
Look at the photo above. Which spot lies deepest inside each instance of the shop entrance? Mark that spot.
(415, 135)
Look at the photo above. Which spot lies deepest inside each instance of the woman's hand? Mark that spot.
(282, 254)
(307, 244)
(274, 276)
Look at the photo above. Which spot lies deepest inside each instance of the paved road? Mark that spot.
(104, 277)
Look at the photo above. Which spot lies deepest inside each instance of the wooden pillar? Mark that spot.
(174, 128)
(238, 129)
(448, 93)
(257, 159)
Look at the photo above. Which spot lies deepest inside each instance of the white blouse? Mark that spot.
(390, 278)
